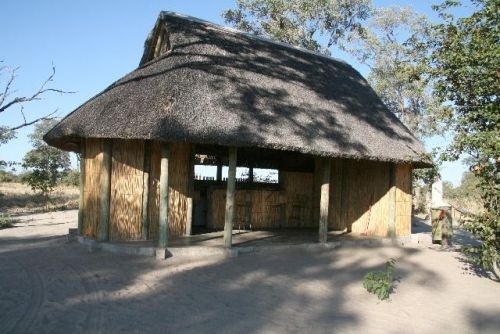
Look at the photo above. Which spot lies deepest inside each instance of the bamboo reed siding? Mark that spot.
(126, 190)
(127, 184)
(359, 201)
(154, 190)
(92, 187)
(360, 197)
(178, 189)
(262, 211)
(260, 208)
(289, 208)
(298, 196)
(403, 200)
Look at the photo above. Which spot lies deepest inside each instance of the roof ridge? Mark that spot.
(253, 36)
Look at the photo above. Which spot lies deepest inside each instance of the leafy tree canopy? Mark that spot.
(393, 44)
(300, 22)
(47, 165)
(465, 69)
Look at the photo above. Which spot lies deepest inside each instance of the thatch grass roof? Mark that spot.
(214, 85)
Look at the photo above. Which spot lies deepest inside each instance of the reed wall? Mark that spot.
(360, 197)
(178, 188)
(265, 209)
(92, 161)
(403, 200)
(126, 190)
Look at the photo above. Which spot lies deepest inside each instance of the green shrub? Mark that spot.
(6, 176)
(380, 282)
(71, 178)
(6, 221)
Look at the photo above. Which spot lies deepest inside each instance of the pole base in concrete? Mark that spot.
(161, 253)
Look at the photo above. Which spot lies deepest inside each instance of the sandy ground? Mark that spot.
(48, 285)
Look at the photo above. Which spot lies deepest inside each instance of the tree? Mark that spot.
(465, 65)
(393, 44)
(47, 164)
(300, 22)
(9, 102)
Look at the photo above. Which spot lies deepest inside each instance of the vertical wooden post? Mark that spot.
(343, 198)
(324, 201)
(250, 174)
(392, 201)
(219, 169)
(105, 190)
(282, 198)
(248, 209)
(82, 187)
(145, 190)
(163, 214)
(209, 213)
(189, 214)
(316, 189)
(231, 181)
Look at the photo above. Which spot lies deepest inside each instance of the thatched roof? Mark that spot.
(215, 85)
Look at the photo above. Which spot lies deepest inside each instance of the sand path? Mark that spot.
(50, 286)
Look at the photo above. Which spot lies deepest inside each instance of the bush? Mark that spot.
(71, 179)
(6, 221)
(8, 176)
(380, 282)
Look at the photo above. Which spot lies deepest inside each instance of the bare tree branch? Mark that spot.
(43, 118)
(5, 93)
(20, 100)
(36, 96)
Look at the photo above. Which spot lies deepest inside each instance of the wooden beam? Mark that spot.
(105, 190)
(250, 174)
(324, 201)
(231, 181)
(82, 186)
(159, 43)
(189, 214)
(145, 190)
(163, 214)
(219, 169)
(343, 214)
(392, 201)
(316, 189)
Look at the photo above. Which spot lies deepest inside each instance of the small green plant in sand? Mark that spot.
(380, 282)
(6, 221)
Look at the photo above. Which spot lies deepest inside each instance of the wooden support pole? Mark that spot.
(82, 187)
(316, 188)
(325, 200)
(343, 198)
(163, 215)
(231, 181)
(145, 190)
(189, 200)
(159, 43)
(105, 190)
(392, 201)
(219, 169)
(250, 174)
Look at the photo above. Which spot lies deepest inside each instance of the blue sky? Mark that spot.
(93, 43)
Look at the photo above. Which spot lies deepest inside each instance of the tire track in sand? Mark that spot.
(37, 296)
(93, 298)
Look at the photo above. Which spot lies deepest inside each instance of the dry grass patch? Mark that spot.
(18, 198)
